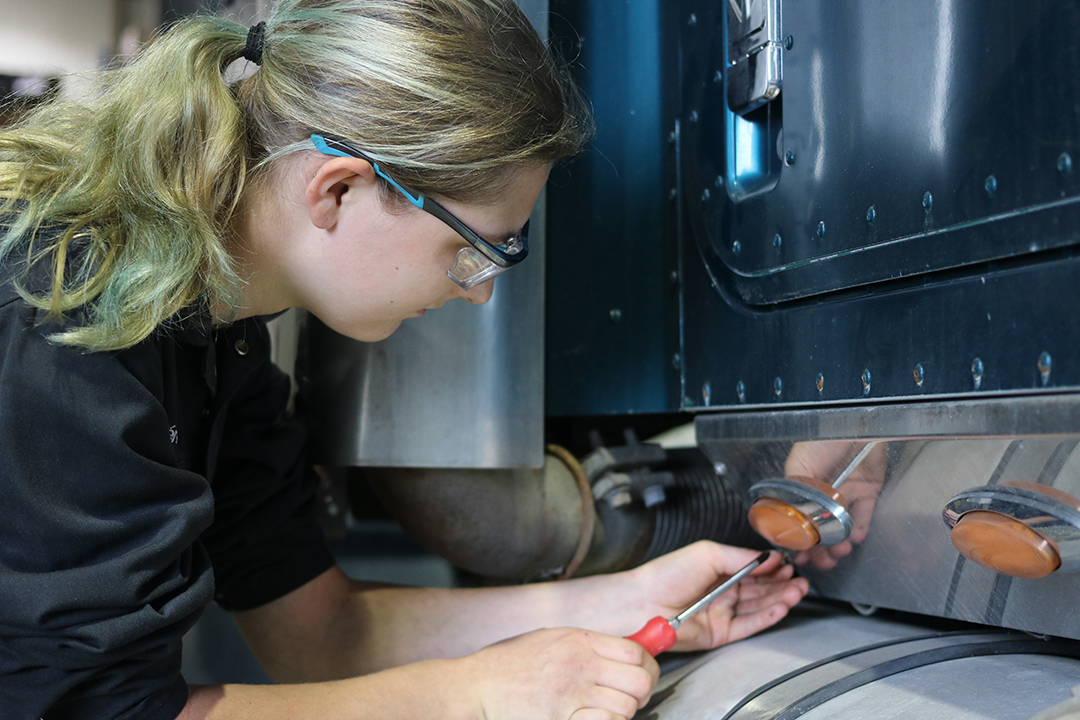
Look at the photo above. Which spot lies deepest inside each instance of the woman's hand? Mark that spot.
(668, 585)
(563, 673)
(824, 460)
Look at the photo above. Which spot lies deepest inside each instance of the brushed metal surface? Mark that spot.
(900, 555)
(1051, 414)
(755, 677)
(460, 387)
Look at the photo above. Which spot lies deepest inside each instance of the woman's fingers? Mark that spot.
(638, 671)
(564, 673)
(744, 625)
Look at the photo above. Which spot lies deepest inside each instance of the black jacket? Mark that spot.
(129, 482)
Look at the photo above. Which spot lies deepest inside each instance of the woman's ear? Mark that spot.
(329, 185)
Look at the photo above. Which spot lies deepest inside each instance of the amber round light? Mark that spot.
(1004, 545)
(783, 525)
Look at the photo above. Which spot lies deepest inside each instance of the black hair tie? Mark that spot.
(253, 48)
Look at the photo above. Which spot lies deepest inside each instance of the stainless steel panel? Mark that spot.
(460, 387)
(1037, 415)
(900, 554)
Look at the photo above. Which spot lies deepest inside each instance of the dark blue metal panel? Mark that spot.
(906, 127)
(610, 300)
(905, 213)
(925, 219)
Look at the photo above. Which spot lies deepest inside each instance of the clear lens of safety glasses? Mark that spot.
(472, 268)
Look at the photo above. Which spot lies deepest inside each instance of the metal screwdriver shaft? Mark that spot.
(658, 634)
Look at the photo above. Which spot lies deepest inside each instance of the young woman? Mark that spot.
(382, 159)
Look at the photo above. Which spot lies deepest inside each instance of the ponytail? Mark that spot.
(141, 181)
(144, 179)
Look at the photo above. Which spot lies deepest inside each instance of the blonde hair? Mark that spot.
(127, 197)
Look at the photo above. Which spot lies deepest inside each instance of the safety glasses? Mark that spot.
(479, 262)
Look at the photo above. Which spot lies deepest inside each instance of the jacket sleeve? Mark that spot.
(266, 540)
(101, 571)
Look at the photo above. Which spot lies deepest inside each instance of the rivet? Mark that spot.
(778, 387)
(919, 374)
(719, 181)
(241, 347)
(928, 201)
(720, 468)
(871, 215)
(821, 229)
(990, 185)
(693, 116)
(1045, 364)
(740, 390)
(736, 247)
(866, 382)
(692, 20)
(674, 276)
(789, 157)
(789, 42)
(819, 381)
(705, 195)
(977, 372)
(671, 136)
(615, 314)
(706, 392)
(676, 361)
(777, 241)
(719, 76)
(1064, 163)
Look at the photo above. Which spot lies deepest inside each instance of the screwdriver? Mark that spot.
(658, 634)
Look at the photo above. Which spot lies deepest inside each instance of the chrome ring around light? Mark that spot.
(832, 519)
(1050, 517)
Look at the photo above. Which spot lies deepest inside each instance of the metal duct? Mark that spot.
(509, 524)
(526, 524)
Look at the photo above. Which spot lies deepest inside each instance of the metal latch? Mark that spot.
(755, 52)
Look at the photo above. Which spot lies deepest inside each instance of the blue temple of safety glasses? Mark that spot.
(329, 145)
(333, 146)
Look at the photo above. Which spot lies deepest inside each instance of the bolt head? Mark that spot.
(1065, 163)
(1045, 363)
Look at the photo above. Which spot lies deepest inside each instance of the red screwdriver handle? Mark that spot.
(656, 637)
